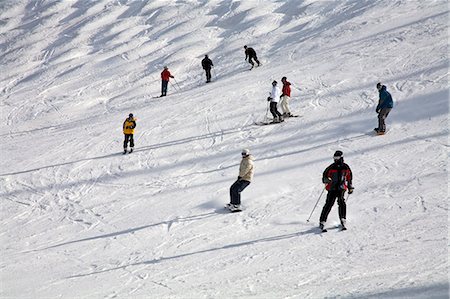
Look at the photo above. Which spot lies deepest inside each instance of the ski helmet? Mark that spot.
(245, 152)
(283, 79)
(274, 82)
(379, 85)
(130, 115)
(338, 156)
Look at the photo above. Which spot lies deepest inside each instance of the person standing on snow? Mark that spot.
(285, 97)
(128, 130)
(251, 55)
(165, 77)
(385, 105)
(246, 171)
(274, 98)
(207, 64)
(338, 178)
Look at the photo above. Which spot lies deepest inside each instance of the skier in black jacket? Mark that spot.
(251, 54)
(338, 178)
(207, 64)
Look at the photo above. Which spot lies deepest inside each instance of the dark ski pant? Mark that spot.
(128, 137)
(208, 74)
(164, 85)
(274, 110)
(250, 60)
(331, 198)
(382, 115)
(236, 189)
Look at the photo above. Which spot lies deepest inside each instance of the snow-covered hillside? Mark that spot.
(81, 220)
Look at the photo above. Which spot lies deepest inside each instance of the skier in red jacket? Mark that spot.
(286, 97)
(165, 77)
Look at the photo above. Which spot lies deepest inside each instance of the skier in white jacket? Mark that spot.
(274, 98)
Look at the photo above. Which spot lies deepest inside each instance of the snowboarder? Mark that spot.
(251, 55)
(338, 178)
(207, 64)
(385, 105)
(128, 130)
(165, 77)
(285, 97)
(246, 170)
(274, 98)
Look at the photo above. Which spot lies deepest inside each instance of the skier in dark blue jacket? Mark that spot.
(385, 105)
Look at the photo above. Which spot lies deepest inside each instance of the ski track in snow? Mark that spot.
(79, 219)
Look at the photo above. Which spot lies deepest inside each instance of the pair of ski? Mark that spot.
(324, 230)
(265, 123)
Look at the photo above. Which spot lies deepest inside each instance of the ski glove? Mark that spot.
(350, 190)
(326, 180)
(268, 99)
(239, 178)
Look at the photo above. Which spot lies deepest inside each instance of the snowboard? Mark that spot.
(232, 211)
(376, 133)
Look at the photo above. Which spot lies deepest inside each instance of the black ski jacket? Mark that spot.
(207, 63)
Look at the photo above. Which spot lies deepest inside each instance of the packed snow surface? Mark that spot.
(81, 220)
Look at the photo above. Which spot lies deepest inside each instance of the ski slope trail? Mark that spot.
(81, 220)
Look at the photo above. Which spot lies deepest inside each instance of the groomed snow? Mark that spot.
(81, 220)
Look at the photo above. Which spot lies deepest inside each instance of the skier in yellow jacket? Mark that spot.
(246, 171)
(128, 130)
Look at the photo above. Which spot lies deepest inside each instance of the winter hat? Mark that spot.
(274, 82)
(165, 67)
(130, 115)
(378, 85)
(245, 152)
(245, 47)
(284, 78)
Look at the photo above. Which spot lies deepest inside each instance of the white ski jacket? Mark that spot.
(275, 94)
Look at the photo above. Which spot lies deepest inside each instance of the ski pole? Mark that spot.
(174, 87)
(315, 205)
(179, 88)
(267, 110)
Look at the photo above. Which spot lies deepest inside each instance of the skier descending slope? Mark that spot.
(246, 170)
(207, 64)
(337, 177)
(274, 98)
(250, 53)
(165, 77)
(286, 98)
(128, 130)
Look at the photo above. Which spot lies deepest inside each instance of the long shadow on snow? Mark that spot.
(169, 223)
(313, 230)
(141, 149)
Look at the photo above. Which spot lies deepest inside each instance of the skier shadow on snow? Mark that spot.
(167, 223)
(313, 230)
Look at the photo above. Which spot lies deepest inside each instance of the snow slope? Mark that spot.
(80, 220)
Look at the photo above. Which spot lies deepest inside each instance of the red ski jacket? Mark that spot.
(337, 176)
(165, 75)
(286, 89)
